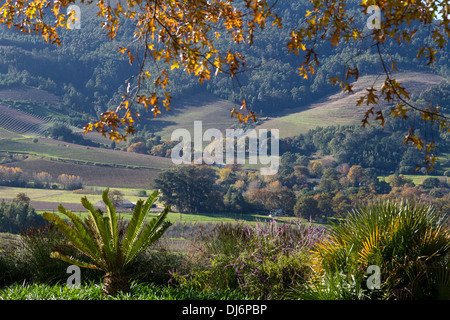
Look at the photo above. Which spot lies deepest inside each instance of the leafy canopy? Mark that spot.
(175, 34)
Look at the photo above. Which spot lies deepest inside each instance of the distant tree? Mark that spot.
(61, 131)
(17, 216)
(22, 197)
(430, 183)
(138, 147)
(325, 205)
(355, 175)
(12, 176)
(190, 188)
(234, 201)
(301, 171)
(42, 179)
(70, 182)
(306, 208)
(397, 181)
(329, 181)
(281, 199)
(342, 203)
(116, 197)
(316, 168)
(227, 176)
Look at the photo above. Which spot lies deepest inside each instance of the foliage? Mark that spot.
(374, 147)
(34, 255)
(16, 177)
(93, 291)
(70, 182)
(12, 176)
(189, 188)
(203, 38)
(17, 216)
(62, 132)
(99, 237)
(262, 260)
(408, 241)
(28, 260)
(306, 208)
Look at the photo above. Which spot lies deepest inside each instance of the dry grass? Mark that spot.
(212, 111)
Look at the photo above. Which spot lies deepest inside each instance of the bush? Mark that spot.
(155, 265)
(261, 261)
(29, 261)
(408, 241)
(17, 216)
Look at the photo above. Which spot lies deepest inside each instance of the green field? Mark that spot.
(65, 196)
(88, 155)
(69, 198)
(205, 218)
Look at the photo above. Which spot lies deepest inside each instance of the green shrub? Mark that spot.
(30, 261)
(155, 265)
(34, 255)
(263, 261)
(17, 216)
(408, 241)
(108, 244)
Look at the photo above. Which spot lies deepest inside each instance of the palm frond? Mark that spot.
(152, 232)
(77, 262)
(112, 218)
(137, 222)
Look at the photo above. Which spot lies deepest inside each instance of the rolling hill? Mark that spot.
(211, 110)
(23, 133)
(340, 108)
(106, 167)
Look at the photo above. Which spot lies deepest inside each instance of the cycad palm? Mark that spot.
(98, 237)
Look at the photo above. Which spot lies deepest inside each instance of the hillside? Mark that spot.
(41, 84)
(212, 111)
(340, 108)
(24, 133)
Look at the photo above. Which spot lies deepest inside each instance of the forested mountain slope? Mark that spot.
(86, 75)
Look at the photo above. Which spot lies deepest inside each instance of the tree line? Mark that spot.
(16, 177)
(18, 215)
(316, 191)
(380, 148)
(322, 173)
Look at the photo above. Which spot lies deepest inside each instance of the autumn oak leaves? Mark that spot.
(174, 34)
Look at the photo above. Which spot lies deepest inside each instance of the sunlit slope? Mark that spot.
(340, 108)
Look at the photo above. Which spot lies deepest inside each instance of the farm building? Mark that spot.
(122, 204)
